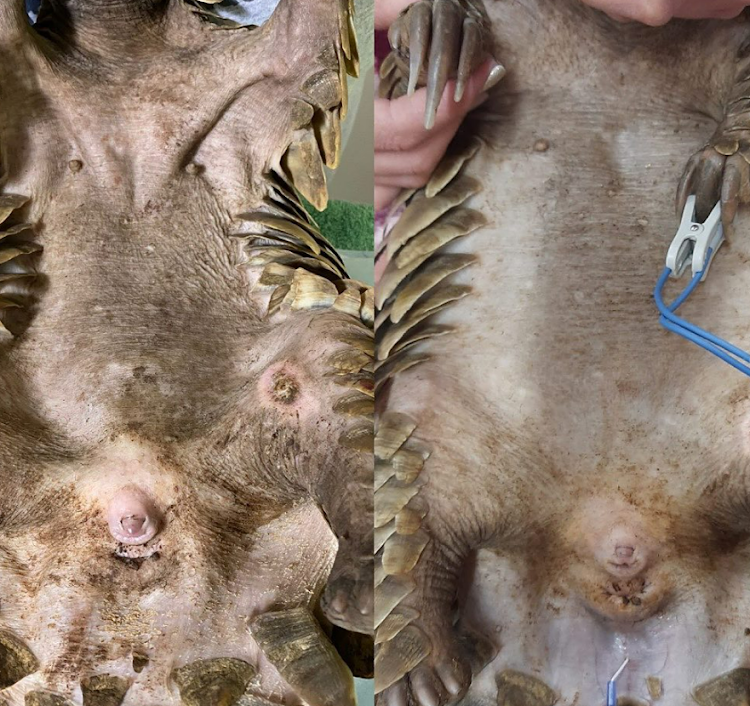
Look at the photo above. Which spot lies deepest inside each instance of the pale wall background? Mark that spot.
(353, 180)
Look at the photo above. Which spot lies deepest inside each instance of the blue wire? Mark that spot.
(611, 693)
(706, 345)
(708, 341)
(667, 313)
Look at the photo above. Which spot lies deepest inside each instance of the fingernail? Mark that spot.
(496, 74)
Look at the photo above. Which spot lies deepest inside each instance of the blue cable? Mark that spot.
(611, 693)
(708, 341)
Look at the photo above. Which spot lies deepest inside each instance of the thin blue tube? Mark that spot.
(611, 693)
(706, 345)
(708, 341)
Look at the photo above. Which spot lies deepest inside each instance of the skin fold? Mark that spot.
(185, 370)
(578, 491)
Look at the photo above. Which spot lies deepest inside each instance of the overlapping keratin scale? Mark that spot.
(416, 284)
(213, 681)
(295, 644)
(318, 143)
(15, 266)
(302, 272)
(399, 542)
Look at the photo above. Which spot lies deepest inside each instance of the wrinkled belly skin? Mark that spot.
(186, 370)
(583, 484)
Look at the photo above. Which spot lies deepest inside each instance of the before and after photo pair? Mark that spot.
(374, 353)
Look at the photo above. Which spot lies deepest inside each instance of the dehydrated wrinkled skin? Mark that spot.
(185, 371)
(560, 483)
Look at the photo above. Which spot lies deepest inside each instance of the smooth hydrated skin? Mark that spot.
(582, 486)
(175, 459)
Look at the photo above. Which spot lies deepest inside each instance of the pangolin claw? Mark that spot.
(721, 170)
(434, 41)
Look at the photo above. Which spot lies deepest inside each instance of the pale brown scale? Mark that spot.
(294, 643)
(404, 651)
(725, 689)
(104, 690)
(213, 681)
(519, 689)
(16, 660)
(415, 285)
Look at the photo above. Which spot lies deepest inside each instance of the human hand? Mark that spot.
(386, 11)
(659, 12)
(406, 153)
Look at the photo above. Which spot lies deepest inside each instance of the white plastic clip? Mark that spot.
(693, 241)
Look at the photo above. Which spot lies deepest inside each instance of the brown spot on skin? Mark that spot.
(284, 388)
(541, 145)
(75, 165)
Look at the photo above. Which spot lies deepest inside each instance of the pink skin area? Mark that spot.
(624, 551)
(132, 517)
(621, 559)
(659, 12)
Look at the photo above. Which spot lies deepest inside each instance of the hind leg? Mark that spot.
(418, 568)
(431, 512)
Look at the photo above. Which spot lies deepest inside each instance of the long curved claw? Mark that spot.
(720, 172)
(427, 688)
(713, 176)
(447, 21)
(735, 173)
(420, 29)
(684, 188)
(396, 695)
(434, 41)
(472, 50)
(707, 182)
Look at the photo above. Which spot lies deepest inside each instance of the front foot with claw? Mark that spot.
(718, 172)
(721, 170)
(434, 41)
